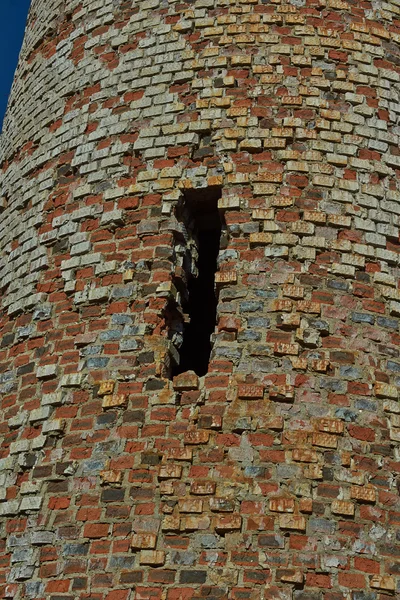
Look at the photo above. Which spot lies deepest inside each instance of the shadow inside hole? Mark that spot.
(204, 224)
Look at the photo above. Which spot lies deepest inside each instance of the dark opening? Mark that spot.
(199, 304)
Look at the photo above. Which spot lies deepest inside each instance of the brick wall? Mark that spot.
(275, 476)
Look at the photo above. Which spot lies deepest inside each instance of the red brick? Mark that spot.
(352, 580)
(366, 565)
(96, 530)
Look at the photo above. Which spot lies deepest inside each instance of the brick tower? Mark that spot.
(199, 322)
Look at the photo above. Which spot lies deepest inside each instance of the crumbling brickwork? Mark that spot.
(275, 475)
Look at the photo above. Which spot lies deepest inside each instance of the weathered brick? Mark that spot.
(363, 493)
(143, 540)
(172, 451)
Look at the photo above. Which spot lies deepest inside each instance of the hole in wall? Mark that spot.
(202, 224)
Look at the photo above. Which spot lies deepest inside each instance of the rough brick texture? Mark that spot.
(275, 476)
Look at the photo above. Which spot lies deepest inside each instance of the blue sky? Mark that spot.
(13, 14)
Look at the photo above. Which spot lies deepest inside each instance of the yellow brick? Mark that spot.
(306, 505)
(384, 390)
(292, 100)
(298, 363)
(383, 582)
(331, 425)
(111, 476)
(170, 471)
(194, 523)
(281, 348)
(260, 239)
(263, 213)
(282, 201)
(178, 453)
(213, 31)
(281, 305)
(341, 507)
(190, 505)
(226, 277)
(282, 132)
(270, 79)
(308, 306)
(363, 493)
(263, 189)
(282, 505)
(267, 177)
(246, 390)
(197, 436)
(152, 557)
(320, 366)
(339, 220)
(316, 217)
(293, 291)
(284, 393)
(144, 540)
(171, 523)
(304, 455)
(106, 387)
(324, 440)
(275, 143)
(289, 321)
(228, 522)
(203, 488)
(313, 471)
(114, 401)
(291, 576)
(295, 522)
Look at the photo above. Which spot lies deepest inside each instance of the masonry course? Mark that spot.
(276, 475)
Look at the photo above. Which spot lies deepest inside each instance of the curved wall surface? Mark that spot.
(276, 475)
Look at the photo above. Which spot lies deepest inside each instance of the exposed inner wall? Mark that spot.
(275, 476)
